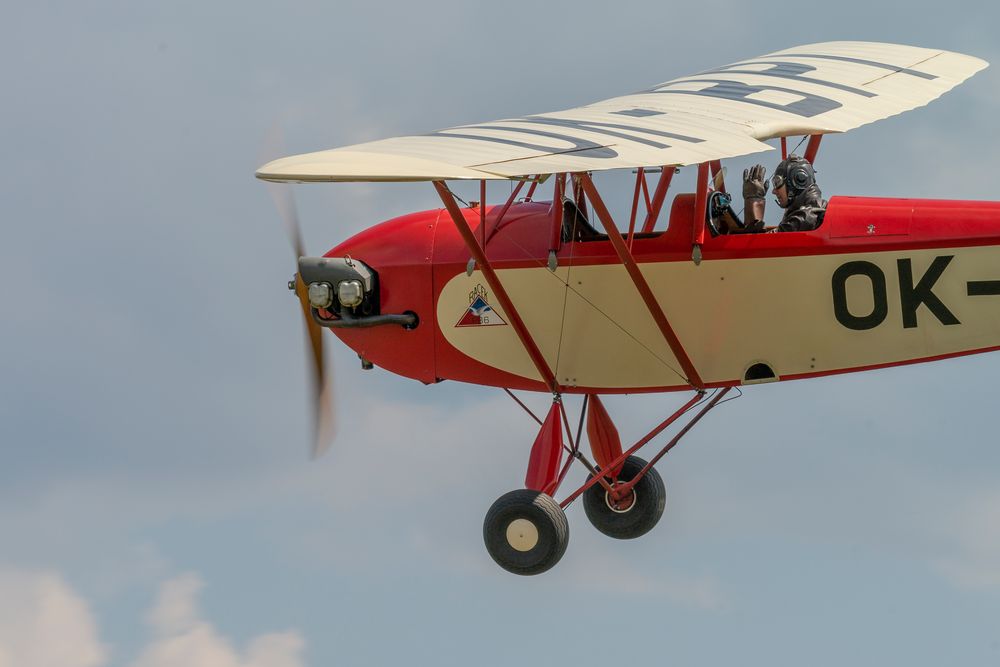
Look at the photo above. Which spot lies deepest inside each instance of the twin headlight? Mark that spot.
(350, 293)
(320, 295)
(335, 280)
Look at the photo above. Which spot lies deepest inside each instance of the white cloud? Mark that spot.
(176, 608)
(43, 623)
(201, 646)
(275, 650)
(181, 637)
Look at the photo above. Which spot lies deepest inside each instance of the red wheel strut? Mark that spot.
(546, 453)
(604, 441)
(623, 489)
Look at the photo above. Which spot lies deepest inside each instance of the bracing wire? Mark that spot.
(804, 137)
(569, 270)
(610, 319)
(521, 403)
(739, 394)
(457, 197)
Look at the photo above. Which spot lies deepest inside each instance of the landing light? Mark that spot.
(350, 293)
(320, 295)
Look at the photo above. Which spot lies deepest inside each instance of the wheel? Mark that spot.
(526, 532)
(635, 514)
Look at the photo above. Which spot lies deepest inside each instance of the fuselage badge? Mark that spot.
(479, 313)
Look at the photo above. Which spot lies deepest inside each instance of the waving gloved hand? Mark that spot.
(755, 182)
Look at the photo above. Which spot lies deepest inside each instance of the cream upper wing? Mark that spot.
(718, 113)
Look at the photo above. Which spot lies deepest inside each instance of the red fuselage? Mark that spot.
(416, 255)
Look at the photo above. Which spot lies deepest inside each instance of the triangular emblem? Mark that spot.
(479, 313)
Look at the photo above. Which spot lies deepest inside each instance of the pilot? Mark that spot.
(796, 191)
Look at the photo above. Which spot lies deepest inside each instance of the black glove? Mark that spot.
(755, 182)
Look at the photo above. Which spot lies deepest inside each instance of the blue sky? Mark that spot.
(157, 506)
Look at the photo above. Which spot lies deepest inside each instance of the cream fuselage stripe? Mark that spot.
(800, 315)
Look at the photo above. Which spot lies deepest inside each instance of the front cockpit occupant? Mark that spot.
(795, 190)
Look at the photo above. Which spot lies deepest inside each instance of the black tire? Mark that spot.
(526, 532)
(650, 497)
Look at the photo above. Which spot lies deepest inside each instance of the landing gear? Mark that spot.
(636, 511)
(526, 532)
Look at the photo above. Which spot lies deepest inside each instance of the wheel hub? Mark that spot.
(522, 534)
(623, 503)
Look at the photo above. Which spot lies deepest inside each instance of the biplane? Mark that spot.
(548, 293)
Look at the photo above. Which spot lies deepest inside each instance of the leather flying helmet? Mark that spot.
(795, 173)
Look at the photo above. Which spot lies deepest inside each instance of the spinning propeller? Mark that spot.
(321, 388)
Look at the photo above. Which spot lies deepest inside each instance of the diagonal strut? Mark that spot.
(690, 372)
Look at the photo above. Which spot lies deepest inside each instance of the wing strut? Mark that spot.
(700, 206)
(666, 175)
(498, 289)
(555, 232)
(499, 219)
(691, 374)
(812, 148)
(640, 179)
